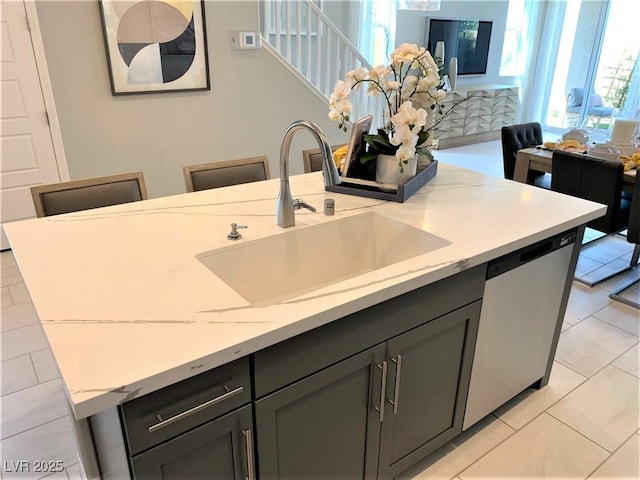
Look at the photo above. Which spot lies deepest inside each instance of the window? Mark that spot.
(515, 40)
(595, 78)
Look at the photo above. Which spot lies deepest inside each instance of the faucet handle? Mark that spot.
(298, 203)
(234, 234)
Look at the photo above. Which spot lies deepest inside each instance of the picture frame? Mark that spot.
(356, 143)
(155, 47)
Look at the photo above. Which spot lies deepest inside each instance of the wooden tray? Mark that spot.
(364, 188)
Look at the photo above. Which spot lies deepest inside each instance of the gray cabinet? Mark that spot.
(375, 413)
(323, 426)
(198, 428)
(427, 382)
(159, 416)
(220, 449)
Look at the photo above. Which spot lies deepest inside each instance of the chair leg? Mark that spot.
(617, 293)
(635, 256)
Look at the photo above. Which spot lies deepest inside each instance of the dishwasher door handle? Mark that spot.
(536, 252)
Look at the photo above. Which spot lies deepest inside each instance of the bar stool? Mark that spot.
(76, 195)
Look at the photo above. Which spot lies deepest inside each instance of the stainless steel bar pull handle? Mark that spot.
(383, 389)
(196, 409)
(396, 388)
(248, 443)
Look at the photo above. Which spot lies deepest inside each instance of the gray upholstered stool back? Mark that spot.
(65, 197)
(312, 158)
(222, 174)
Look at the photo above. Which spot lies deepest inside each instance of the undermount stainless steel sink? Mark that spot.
(284, 266)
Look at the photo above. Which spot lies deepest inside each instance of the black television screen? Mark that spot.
(466, 39)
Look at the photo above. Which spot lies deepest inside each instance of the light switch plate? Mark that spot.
(246, 40)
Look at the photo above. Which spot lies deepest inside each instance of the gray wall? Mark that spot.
(252, 100)
(411, 27)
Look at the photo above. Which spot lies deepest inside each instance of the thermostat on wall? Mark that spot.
(246, 40)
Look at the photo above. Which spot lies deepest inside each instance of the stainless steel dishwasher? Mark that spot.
(522, 297)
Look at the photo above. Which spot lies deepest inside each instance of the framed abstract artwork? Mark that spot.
(155, 45)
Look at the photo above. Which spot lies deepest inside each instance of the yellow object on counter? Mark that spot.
(571, 146)
(567, 145)
(630, 161)
(339, 157)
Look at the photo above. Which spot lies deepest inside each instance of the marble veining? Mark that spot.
(103, 321)
(127, 308)
(125, 393)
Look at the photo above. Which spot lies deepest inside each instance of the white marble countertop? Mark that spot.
(128, 309)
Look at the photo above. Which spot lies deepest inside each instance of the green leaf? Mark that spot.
(422, 137)
(380, 143)
(425, 152)
(366, 157)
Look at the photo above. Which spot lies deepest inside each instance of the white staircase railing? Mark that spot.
(300, 33)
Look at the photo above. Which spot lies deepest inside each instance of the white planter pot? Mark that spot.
(388, 170)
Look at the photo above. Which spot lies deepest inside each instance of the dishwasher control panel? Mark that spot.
(531, 252)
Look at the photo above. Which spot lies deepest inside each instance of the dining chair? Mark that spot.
(77, 195)
(230, 172)
(598, 180)
(516, 137)
(312, 158)
(633, 236)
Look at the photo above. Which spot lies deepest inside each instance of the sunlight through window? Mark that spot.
(512, 62)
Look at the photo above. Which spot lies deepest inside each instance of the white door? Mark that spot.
(26, 146)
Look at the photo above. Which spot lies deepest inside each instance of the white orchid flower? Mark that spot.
(408, 115)
(407, 53)
(410, 81)
(341, 106)
(405, 152)
(341, 90)
(428, 60)
(357, 75)
(334, 115)
(402, 135)
(392, 85)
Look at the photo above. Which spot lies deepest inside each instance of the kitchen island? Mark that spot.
(128, 308)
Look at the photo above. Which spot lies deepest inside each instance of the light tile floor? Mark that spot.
(584, 424)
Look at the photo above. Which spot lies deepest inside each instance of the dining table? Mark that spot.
(540, 159)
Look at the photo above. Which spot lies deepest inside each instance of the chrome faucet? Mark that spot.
(285, 205)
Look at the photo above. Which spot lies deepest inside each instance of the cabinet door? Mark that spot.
(326, 425)
(426, 388)
(221, 449)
